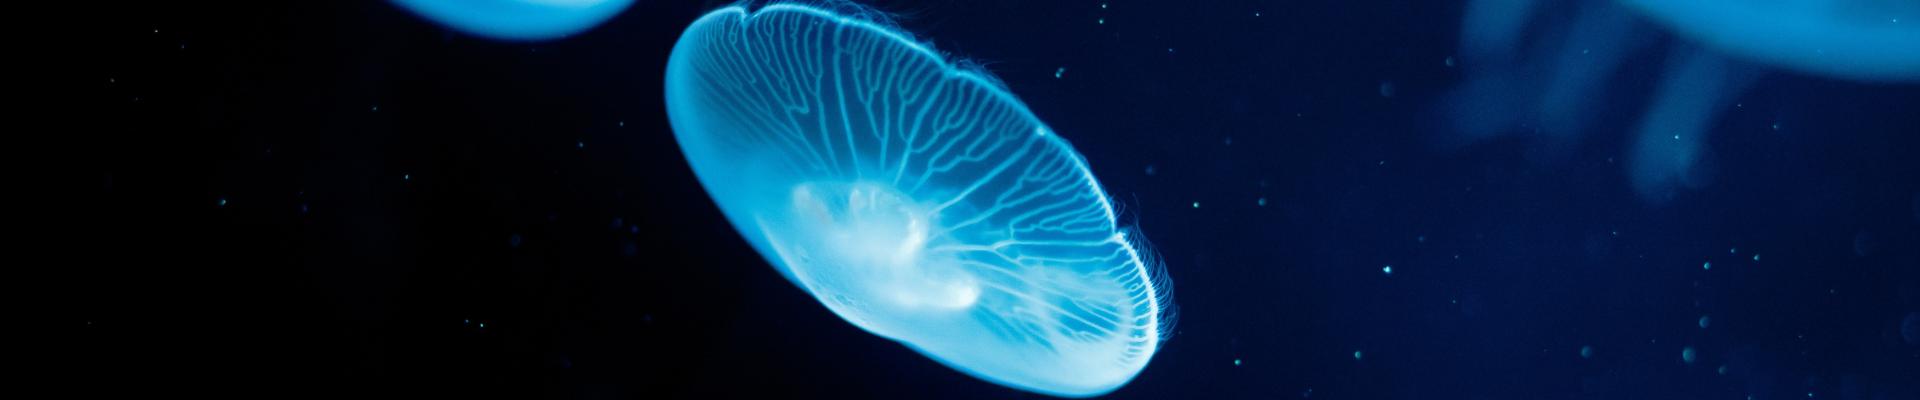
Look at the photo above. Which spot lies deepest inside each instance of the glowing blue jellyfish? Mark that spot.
(918, 200)
(517, 19)
(1536, 67)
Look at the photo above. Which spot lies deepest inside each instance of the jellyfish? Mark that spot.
(914, 197)
(1536, 68)
(519, 20)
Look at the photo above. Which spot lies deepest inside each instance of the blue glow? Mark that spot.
(1856, 40)
(1530, 74)
(916, 199)
(517, 19)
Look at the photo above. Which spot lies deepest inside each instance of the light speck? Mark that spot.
(1722, 370)
(376, 108)
(1449, 61)
(1151, 170)
(1387, 270)
(1059, 72)
(1704, 321)
(1262, 202)
(1236, 362)
(621, 124)
(1687, 354)
(580, 144)
(1735, 250)
(1102, 21)
(1356, 354)
(222, 202)
(1387, 89)
(1706, 265)
(483, 325)
(1586, 351)
(406, 177)
(1756, 257)
(1196, 204)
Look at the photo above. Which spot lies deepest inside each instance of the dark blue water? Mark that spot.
(317, 197)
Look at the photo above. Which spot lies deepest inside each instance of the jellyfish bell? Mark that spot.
(915, 198)
(517, 20)
(1848, 39)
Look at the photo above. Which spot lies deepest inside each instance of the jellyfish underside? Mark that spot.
(517, 20)
(917, 200)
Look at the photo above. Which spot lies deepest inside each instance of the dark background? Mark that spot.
(338, 197)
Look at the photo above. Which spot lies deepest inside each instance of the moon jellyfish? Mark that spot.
(915, 198)
(1537, 68)
(517, 19)
(1847, 39)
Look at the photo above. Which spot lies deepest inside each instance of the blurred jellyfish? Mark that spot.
(1537, 68)
(1861, 40)
(517, 19)
(917, 199)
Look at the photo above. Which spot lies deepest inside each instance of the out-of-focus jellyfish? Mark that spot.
(517, 19)
(1537, 67)
(917, 199)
